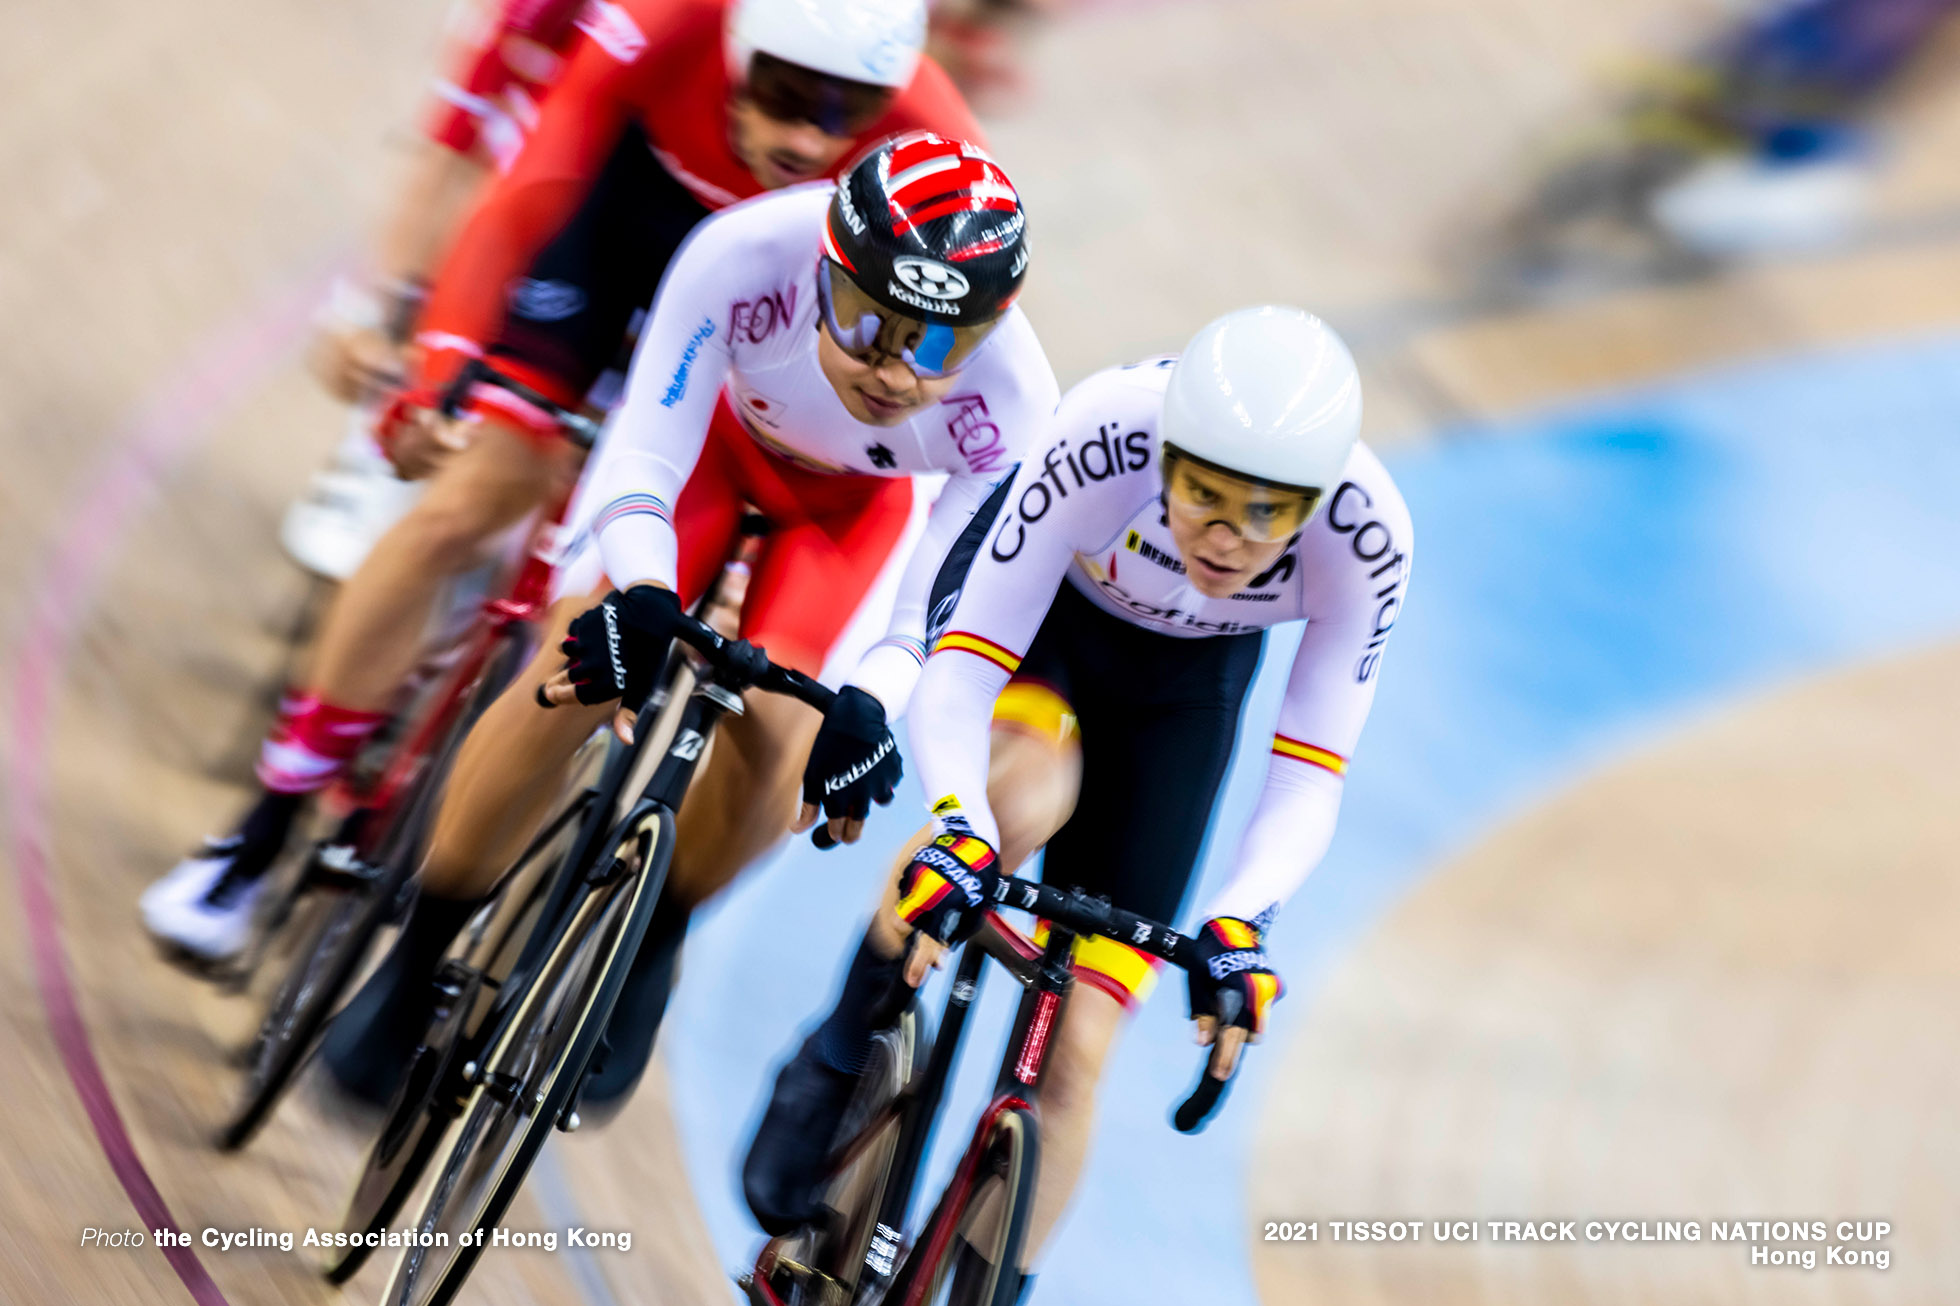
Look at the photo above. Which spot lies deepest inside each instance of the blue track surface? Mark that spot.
(1584, 579)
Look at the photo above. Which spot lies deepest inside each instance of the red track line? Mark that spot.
(169, 425)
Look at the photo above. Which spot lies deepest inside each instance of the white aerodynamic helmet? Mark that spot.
(1268, 393)
(872, 41)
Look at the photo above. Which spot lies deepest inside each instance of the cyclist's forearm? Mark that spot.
(950, 734)
(1286, 838)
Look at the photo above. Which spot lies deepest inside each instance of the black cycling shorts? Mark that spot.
(1159, 717)
(570, 315)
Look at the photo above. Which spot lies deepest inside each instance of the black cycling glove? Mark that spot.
(854, 762)
(944, 889)
(616, 649)
(1233, 982)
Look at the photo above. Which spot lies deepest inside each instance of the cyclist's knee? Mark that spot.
(446, 533)
(1088, 1032)
(1031, 787)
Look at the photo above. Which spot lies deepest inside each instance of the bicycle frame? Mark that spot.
(710, 700)
(1044, 974)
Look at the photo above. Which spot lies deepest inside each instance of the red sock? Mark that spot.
(312, 744)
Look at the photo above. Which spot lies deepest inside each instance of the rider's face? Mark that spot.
(881, 393)
(781, 153)
(1216, 521)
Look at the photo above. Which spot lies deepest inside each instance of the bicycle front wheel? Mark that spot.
(867, 1148)
(972, 1247)
(335, 927)
(526, 1081)
(433, 1091)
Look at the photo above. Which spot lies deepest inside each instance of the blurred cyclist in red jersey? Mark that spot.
(666, 110)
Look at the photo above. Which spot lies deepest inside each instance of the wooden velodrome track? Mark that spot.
(183, 177)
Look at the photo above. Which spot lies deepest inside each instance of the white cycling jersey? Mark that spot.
(1089, 509)
(738, 310)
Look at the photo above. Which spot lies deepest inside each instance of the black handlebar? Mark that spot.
(741, 665)
(1077, 911)
(1086, 915)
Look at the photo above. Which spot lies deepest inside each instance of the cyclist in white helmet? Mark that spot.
(1182, 507)
(666, 111)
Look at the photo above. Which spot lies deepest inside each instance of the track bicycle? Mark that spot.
(968, 1253)
(502, 945)
(322, 922)
(485, 1094)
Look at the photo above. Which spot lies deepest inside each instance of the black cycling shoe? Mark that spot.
(784, 1169)
(636, 1017)
(368, 1047)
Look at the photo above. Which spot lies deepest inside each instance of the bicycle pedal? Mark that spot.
(452, 981)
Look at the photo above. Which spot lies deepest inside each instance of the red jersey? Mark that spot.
(657, 63)
(502, 72)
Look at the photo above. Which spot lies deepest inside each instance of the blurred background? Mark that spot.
(1643, 901)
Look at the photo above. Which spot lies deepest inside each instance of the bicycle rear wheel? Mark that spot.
(527, 1080)
(337, 925)
(972, 1247)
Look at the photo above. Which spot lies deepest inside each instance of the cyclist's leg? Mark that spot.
(499, 787)
(373, 633)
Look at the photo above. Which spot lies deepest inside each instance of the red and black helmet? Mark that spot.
(930, 228)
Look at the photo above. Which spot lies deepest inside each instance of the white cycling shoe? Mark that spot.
(350, 504)
(191, 910)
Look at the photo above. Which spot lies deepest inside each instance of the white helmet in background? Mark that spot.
(873, 41)
(1268, 393)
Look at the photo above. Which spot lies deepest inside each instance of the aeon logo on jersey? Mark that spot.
(613, 29)
(755, 320)
(545, 301)
(1109, 454)
(1371, 542)
(932, 279)
(978, 440)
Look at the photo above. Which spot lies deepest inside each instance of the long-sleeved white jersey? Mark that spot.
(738, 309)
(1088, 512)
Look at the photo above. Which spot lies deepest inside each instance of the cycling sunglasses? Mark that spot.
(792, 93)
(931, 349)
(1202, 493)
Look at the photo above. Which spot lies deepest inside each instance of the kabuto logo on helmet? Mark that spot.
(931, 279)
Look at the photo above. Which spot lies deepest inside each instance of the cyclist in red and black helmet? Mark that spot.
(928, 236)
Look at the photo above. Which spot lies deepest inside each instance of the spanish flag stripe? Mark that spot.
(927, 890)
(1265, 992)
(986, 648)
(1124, 968)
(1235, 934)
(1320, 757)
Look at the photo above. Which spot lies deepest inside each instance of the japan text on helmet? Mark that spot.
(930, 228)
(876, 42)
(1268, 393)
